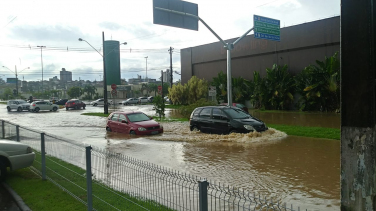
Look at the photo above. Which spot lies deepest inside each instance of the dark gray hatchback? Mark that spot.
(224, 120)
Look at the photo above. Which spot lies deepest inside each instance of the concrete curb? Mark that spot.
(20, 203)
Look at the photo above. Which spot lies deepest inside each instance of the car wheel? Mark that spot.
(108, 129)
(9, 109)
(233, 131)
(3, 170)
(84, 107)
(132, 132)
(195, 129)
(54, 109)
(95, 104)
(37, 109)
(19, 109)
(66, 108)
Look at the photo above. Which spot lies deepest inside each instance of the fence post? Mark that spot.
(43, 153)
(18, 132)
(3, 128)
(203, 195)
(89, 179)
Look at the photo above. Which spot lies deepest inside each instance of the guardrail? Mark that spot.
(103, 180)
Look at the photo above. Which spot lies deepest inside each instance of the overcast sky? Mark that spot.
(24, 25)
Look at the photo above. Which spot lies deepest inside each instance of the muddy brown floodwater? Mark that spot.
(301, 171)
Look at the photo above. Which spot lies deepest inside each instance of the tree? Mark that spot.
(90, 90)
(145, 87)
(178, 93)
(220, 84)
(159, 106)
(153, 88)
(197, 89)
(75, 92)
(7, 94)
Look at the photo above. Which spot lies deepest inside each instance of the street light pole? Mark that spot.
(104, 71)
(15, 68)
(146, 68)
(41, 59)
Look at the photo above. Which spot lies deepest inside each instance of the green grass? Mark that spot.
(96, 114)
(314, 132)
(41, 195)
(3, 103)
(44, 195)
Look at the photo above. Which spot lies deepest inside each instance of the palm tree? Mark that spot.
(145, 87)
(153, 88)
(90, 90)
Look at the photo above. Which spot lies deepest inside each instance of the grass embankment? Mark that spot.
(44, 195)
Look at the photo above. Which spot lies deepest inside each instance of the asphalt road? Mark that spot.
(6, 201)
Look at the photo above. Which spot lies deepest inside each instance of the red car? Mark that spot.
(75, 104)
(132, 122)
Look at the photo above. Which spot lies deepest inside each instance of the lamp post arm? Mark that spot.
(245, 34)
(93, 47)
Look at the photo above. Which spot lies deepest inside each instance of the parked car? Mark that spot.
(150, 99)
(14, 155)
(239, 105)
(130, 101)
(75, 104)
(61, 102)
(142, 100)
(167, 100)
(224, 120)
(133, 122)
(36, 106)
(18, 105)
(100, 102)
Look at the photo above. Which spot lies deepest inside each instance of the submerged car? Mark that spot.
(132, 122)
(14, 155)
(75, 104)
(224, 120)
(36, 106)
(18, 105)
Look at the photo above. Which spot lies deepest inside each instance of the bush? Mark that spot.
(186, 111)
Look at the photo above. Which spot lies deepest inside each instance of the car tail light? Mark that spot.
(73, 103)
(33, 104)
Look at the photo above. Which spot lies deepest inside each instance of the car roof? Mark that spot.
(127, 112)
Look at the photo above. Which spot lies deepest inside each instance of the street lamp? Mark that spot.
(146, 68)
(15, 67)
(104, 71)
(41, 59)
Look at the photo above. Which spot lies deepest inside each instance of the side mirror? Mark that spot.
(124, 121)
(150, 117)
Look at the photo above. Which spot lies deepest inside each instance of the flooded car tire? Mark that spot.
(95, 104)
(54, 109)
(9, 109)
(19, 109)
(108, 129)
(66, 108)
(233, 131)
(132, 132)
(195, 129)
(84, 107)
(36, 110)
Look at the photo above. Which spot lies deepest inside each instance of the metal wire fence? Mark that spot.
(104, 180)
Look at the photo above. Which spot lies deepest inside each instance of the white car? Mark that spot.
(130, 101)
(14, 155)
(43, 105)
(142, 100)
(18, 105)
(99, 102)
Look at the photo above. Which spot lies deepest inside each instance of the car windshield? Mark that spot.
(236, 113)
(137, 117)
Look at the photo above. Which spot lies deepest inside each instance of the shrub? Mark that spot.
(186, 111)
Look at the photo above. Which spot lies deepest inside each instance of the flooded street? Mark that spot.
(301, 171)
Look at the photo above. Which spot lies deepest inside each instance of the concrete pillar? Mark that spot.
(358, 146)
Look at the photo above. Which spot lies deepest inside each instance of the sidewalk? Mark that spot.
(10, 200)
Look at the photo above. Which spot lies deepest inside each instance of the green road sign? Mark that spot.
(266, 28)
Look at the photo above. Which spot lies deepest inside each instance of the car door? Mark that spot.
(220, 122)
(113, 122)
(101, 102)
(123, 127)
(205, 120)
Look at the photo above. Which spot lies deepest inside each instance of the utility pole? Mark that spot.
(146, 69)
(41, 59)
(162, 85)
(104, 79)
(171, 49)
